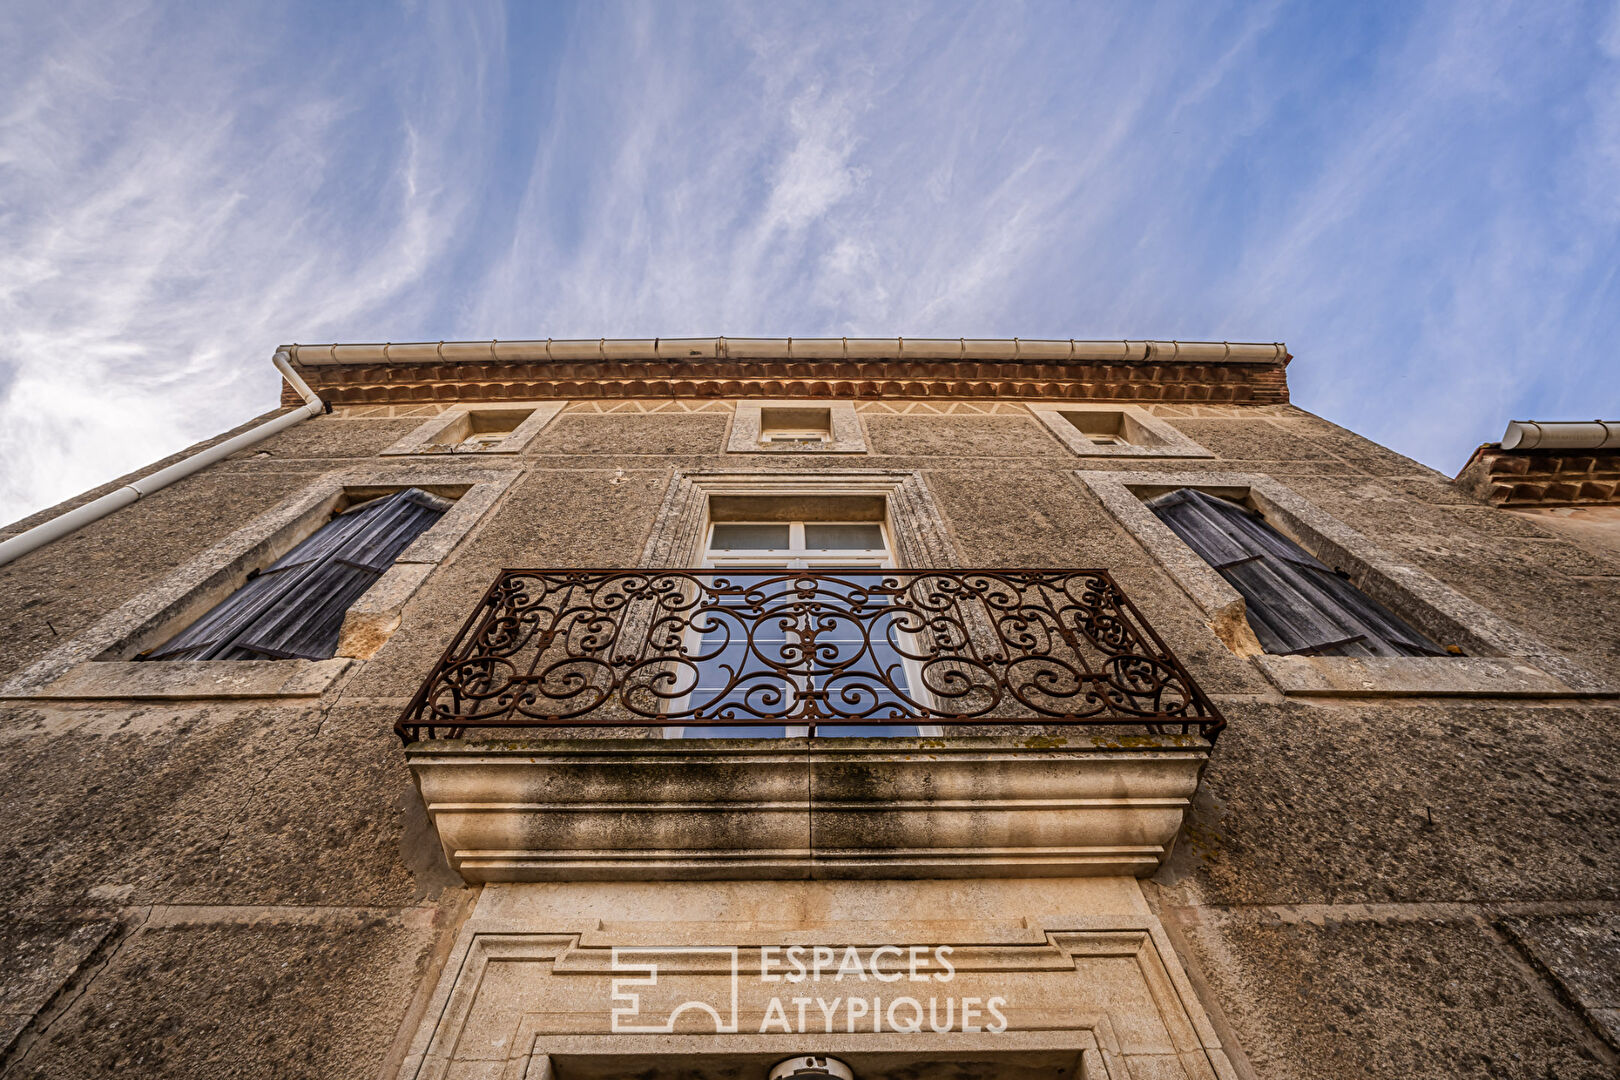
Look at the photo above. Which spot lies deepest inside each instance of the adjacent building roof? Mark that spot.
(721, 367)
(1548, 463)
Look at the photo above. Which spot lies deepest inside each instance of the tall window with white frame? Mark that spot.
(770, 642)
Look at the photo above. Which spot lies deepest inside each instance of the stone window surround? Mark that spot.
(917, 528)
(97, 664)
(428, 433)
(1169, 441)
(1501, 660)
(844, 428)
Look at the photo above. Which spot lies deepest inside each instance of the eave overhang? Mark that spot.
(720, 367)
(1537, 479)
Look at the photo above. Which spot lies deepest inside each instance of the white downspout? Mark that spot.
(63, 524)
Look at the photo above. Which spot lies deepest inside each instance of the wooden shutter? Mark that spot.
(296, 607)
(1295, 603)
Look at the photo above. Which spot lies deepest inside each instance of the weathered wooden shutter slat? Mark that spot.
(1388, 626)
(377, 546)
(1203, 529)
(1264, 538)
(225, 621)
(1295, 603)
(1274, 602)
(326, 541)
(309, 617)
(296, 607)
(307, 620)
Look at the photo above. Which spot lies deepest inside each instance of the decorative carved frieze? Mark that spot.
(369, 384)
(1526, 478)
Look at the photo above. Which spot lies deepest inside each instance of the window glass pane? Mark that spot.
(860, 668)
(860, 537)
(732, 680)
(729, 537)
(772, 637)
(735, 586)
(751, 659)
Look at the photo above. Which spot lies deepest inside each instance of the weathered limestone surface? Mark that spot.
(1014, 515)
(38, 959)
(585, 516)
(51, 594)
(1076, 964)
(202, 679)
(528, 809)
(217, 1000)
(1388, 998)
(961, 436)
(1403, 887)
(1267, 440)
(1581, 955)
(1215, 667)
(1323, 804)
(658, 434)
(228, 805)
(355, 438)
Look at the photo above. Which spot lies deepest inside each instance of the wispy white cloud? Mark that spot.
(825, 181)
(178, 201)
(1419, 198)
(1434, 266)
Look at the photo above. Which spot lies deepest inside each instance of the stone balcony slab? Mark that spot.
(661, 809)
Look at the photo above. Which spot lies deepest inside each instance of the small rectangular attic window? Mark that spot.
(478, 429)
(1108, 427)
(1295, 604)
(795, 425)
(295, 608)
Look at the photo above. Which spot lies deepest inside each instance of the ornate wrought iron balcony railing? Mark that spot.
(805, 652)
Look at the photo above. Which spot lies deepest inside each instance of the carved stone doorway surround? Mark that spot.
(579, 981)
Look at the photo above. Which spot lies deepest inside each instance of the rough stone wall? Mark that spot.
(1410, 887)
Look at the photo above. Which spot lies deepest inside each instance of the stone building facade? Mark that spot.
(1289, 862)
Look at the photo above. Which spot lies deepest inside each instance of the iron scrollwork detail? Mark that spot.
(805, 649)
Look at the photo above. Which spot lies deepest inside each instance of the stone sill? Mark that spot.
(178, 680)
(709, 809)
(1400, 676)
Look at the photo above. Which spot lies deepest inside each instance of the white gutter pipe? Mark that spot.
(63, 524)
(1562, 435)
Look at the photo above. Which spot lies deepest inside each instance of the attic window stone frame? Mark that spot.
(448, 432)
(99, 664)
(1500, 660)
(1140, 433)
(749, 434)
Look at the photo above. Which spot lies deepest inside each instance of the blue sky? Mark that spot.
(1423, 200)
